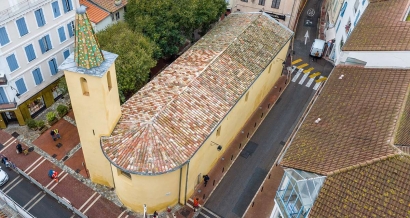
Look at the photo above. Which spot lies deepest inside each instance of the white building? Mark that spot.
(35, 37)
(102, 13)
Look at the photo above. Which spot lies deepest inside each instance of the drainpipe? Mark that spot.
(186, 182)
(180, 183)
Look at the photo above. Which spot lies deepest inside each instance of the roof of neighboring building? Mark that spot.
(381, 28)
(110, 5)
(359, 114)
(95, 13)
(378, 189)
(405, 149)
(166, 122)
(403, 130)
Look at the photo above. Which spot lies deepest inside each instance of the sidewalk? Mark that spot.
(67, 160)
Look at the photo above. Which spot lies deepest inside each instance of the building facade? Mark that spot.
(155, 147)
(283, 11)
(96, 8)
(35, 37)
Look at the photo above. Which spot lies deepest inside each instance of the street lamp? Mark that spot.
(17, 92)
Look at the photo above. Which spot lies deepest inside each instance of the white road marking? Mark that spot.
(121, 214)
(6, 146)
(310, 82)
(5, 192)
(92, 196)
(33, 163)
(35, 167)
(317, 84)
(10, 183)
(297, 75)
(32, 199)
(99, 196)
(59, 180)
(303, 78)
(36, 202)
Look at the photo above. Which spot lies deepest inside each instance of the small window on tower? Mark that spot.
(218, 131)
(246, 96)
(109, 81)
(84, 87)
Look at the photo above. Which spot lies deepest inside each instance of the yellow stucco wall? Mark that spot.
(160, 191)
(96, 115)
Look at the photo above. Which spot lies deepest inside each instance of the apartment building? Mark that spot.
(35, 37)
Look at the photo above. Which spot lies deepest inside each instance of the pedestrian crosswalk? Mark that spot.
(302, 74)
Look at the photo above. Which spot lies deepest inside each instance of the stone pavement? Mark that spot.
(91, 199)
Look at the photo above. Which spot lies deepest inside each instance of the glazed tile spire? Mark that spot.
(87, 52)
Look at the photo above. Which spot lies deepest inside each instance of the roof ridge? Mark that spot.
(364, 163)
(175, 97)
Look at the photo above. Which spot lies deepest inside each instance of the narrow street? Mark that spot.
(236, 190)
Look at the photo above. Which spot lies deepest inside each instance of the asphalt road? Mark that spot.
(32, 198)
(241, 182)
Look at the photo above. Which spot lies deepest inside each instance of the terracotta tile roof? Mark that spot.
(95, 13)
(358, 116)
(380, 189)
(405, 149)
(109, 5)
(403, 130)
(166, 122)
(381, 28)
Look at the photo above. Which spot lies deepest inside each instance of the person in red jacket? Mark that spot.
(196, 204)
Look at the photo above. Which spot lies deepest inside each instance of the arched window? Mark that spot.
(84, 86)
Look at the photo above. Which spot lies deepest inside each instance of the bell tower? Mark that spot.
(92, 85)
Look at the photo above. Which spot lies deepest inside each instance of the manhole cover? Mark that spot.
(31, 149)
(77, 170)
(65, 158)
(185, 213)
(15, 134)
(54, 156)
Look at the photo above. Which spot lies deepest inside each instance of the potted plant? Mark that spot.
(62, 110)
(51, 118)
(32, 124)
(41, 126)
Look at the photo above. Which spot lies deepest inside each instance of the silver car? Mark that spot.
(3, 177)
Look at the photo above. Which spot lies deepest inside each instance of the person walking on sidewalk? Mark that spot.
(155, 214)
(196, 204)
(206, 179)
(57, 134)
(53, 135)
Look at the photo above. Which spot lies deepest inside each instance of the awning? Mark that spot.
(330, 34)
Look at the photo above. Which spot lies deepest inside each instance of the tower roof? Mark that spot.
(87, 52)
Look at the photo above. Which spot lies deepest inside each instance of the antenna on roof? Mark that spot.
(317, 120)
(341, 76)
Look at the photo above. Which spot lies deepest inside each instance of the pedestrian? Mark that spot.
(155, 214)
(52, 133)
(196, 204)
(19, 149)
(316, 56)
(5, 160)
(206, 179)
(57, 134)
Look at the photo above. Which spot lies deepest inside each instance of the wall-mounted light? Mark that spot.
(219, 148)
(17, 92)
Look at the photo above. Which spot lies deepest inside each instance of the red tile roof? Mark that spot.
(381, 28)
(379, 189)
(359, 114)
(110, 5)
(95, 13)
(166, 122)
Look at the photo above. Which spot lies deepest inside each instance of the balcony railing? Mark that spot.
(19, 8)
(289, 209)
(3, 80)
(8, 105)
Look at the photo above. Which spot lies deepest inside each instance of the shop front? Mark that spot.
(31, 107)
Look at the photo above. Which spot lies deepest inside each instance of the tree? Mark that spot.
(135, 57)
(170, 22)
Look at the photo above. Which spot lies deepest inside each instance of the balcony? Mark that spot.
(8, 105)
(3, 80)
(19, 8)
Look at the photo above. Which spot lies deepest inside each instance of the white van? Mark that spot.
(317, 46)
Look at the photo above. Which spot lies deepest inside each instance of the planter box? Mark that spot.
(52, 122)
(42, 130)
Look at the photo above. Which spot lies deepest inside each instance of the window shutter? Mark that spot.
(357, 18)
(21, 25)
(53, 66)
(70, 29)
(48, 45)
(61, 33)
(70, 5)
(36, 80)
(4, 38)
(3, 97)
(56, 9)
(21, 87)
(42, 46)
(30, 52)
(342, 11)
(12, 62)
(40, 17)
(66, 53)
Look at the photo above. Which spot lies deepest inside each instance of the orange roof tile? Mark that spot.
(110, 5)
(166, 122)
(95, 14)
(359, 114)
(381, 28)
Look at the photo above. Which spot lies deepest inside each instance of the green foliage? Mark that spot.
(62, 110)
(51, 116)
(62, 85)
(32, 124)
(41, 124)
(169, 22)
(135, 56)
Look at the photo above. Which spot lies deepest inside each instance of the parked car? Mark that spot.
(3, 177)
(317, 46)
